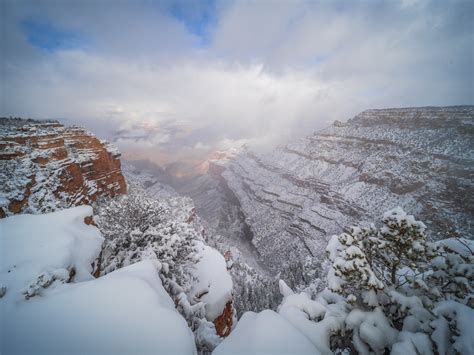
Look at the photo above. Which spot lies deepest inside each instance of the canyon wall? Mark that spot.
(296, 197)
(45, 166)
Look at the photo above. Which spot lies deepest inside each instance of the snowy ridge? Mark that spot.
(421, 159)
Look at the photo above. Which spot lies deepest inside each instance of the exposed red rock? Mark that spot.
(45, 166)
(89, 220)
(15, 206)
(224, 322)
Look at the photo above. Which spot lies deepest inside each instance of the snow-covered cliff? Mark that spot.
(295, 197)
(45, 167)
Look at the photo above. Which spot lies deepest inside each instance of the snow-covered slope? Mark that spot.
(50, 246)
(45, 167)
(149, 177)
(213, 283)
(53, 305)
(301, 326)
(265, 333)
(295, 197)
(152, 222)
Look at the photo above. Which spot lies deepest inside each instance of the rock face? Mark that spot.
(294, 198)
(224, 322)
(45, 166)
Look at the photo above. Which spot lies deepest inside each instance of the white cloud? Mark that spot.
(272, 70)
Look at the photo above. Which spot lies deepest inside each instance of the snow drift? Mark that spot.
(48, 309)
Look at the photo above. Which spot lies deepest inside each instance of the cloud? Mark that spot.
(182, 77)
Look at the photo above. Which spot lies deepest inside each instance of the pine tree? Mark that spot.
(370, 259)
(392, 274)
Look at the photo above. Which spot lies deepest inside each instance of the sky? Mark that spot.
(171, 80)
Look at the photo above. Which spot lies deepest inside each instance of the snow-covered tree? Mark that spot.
(367, 260)
(390, 291)
(452, 275)
(168, 232)
(406, 294)
(351, 270)
(402, 243)
(137, 227)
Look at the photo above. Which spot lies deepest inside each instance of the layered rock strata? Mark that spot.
(45, 166)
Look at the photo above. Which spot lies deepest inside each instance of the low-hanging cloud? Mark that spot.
(259, 72)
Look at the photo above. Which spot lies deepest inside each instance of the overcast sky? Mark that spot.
(204, 75)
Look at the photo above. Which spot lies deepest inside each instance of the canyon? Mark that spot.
(282, 206)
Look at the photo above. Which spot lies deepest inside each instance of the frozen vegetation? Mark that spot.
(154, 271)
(390, 290)
(168, 232)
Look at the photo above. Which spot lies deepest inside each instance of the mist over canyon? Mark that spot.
(314, 187)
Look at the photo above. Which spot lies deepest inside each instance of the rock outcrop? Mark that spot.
(45, 166)
(296, 197)
(224, 322)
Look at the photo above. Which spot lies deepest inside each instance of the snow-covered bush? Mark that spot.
(452, 273)
(406, 294)
(139, 228)
(168, 232)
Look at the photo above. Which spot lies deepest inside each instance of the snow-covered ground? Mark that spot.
(265, 333)
(301, 326)
(212, 281)
(50, 309)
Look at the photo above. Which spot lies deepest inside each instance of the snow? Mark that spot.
(464, 319)
(206, 336)
(461, 246)
(213, 278)
(398, 215)
(285, 290)
(300, 301)
(371, 329)
(412, 343)
(127, 311)
(405, 302)
(46, 244)
(316, 320)
(265, 333)
(301, 326)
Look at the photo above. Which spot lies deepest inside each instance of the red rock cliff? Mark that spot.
(45, 166)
